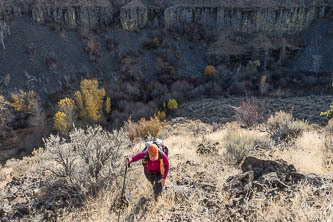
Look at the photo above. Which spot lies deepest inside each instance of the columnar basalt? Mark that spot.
(134, 16)
(269, 20)
(275, 16)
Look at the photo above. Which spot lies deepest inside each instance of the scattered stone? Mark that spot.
(206, 149)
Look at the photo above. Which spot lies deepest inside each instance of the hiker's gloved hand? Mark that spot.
(127, 161)
(162, 181)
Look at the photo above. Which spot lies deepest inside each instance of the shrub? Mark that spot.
(90, 100)
(24, 101)
(328, 143)
(263, 85)
(172, 104)
(67, 106)
(88, 161)
(153, 43)
(51, 61)
(38, 119)
(263, 142)
(160, 115)
(144, 128)
(61, 124)
(108, 105)
(5, 113)
(210, 70)
(93, 48)
(64, 119)
(250, 112)
(237, 145)
(111, 45)
(283, 127)
(328, 113)
(329, 126)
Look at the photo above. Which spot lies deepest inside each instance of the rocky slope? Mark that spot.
(270, 183)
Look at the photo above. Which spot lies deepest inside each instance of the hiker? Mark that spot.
(156, 166)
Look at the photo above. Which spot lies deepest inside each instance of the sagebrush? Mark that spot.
(89, 160)
(283, 127)
(237, 145)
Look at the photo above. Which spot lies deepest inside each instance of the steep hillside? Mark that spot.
(204, 183)
(69, 65)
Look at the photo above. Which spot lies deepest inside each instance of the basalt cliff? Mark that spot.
(274, 16)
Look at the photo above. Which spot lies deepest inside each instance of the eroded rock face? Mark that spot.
(268, 20)
(87, 17)
(134, 16)
(86, 14)
(274, 17)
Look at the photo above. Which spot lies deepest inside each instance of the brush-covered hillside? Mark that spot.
(251, 169)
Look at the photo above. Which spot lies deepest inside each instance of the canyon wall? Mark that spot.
(278, 16)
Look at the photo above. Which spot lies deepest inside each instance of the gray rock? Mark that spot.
(268, 176)
(134, 16)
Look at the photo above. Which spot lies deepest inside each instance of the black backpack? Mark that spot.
(161, 148)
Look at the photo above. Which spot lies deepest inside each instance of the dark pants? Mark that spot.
(153, 179)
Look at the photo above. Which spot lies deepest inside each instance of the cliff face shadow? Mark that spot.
(317, 55)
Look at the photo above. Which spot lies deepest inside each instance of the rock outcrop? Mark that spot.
(246, 16)
(30, 199)
(267, 176)
(87, 17)
(278, 17)
(134, 16)
(86, 14)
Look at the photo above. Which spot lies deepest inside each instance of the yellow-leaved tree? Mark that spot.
(90, 99)
(67, 107)
(88, 103)
(60, 123)
(24, 101)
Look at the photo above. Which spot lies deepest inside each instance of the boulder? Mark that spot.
(268, 176)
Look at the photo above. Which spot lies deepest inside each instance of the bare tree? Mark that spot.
(5, 114)
(316, 55)
(4, 32)
(38, 118)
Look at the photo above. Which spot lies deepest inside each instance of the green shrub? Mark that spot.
(282, 126)
(237, 145)
(328, 113)
(172, 104)
(160, 115)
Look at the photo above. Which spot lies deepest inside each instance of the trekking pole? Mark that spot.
(123, 191)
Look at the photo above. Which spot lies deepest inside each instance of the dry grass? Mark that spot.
(307, 154)
(185, 199)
